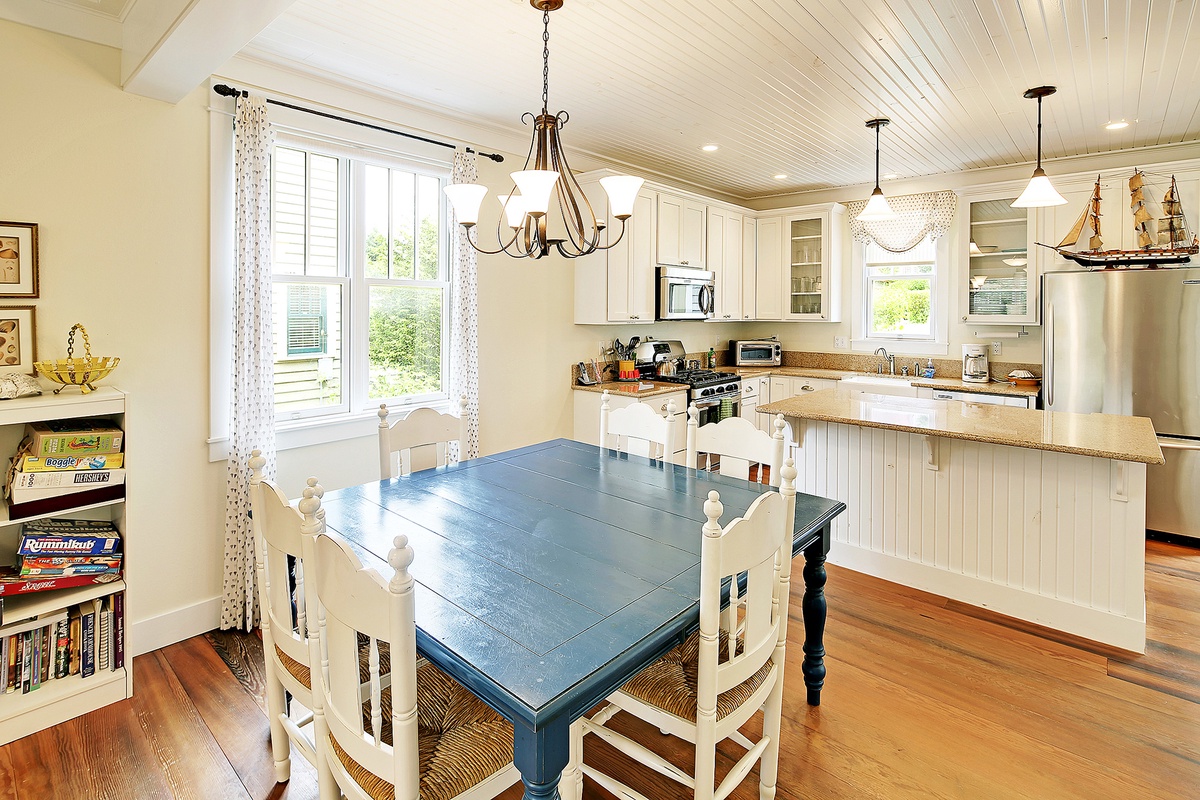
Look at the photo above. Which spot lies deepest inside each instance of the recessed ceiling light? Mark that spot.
(1116, 126)
(780, 176)
(708, 148)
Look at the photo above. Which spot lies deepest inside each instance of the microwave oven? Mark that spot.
(756, 353)
(685, 293)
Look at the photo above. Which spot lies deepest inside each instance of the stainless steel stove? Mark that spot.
(707, 389)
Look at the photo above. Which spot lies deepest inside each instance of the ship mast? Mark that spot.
(1141, 217)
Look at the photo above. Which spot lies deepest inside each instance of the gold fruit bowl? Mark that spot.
(81, 372)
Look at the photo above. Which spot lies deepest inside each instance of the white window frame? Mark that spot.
(355, 285)
(939, 307)
(364, 144)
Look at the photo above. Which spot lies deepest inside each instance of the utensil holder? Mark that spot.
(626, 370)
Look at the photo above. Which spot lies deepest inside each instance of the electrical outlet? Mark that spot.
(839, 342)
(604, 345)
(996, 348)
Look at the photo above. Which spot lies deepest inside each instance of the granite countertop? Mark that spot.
(1098, 435)
(948, 384)
(632, 388)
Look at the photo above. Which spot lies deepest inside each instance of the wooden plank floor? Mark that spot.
(925, 698)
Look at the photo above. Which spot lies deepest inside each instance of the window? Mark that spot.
(899, 292)
(361, 289)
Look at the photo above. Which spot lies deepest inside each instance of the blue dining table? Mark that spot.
(548, 575)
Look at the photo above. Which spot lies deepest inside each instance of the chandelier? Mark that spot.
(546, 175)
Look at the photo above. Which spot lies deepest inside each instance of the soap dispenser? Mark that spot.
(929, 368)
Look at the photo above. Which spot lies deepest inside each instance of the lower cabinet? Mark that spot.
(587, 415)
(1016, 401)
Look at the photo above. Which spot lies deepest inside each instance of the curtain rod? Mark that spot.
(229, 91)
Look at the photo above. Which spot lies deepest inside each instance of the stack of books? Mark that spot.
(77, 457)
(82, 640)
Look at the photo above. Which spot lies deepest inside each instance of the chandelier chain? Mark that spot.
(545, 61)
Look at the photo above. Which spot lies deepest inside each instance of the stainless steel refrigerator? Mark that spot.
(1128, 342)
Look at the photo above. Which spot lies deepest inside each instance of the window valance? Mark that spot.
(917, 216)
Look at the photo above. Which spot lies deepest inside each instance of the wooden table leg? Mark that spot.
(540, 756)
(814, 609)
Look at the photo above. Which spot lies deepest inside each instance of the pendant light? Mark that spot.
(877, 207)
(546, 177)
(1040, 192)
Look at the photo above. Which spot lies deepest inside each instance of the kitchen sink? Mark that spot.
(882, 380)
(879, 384)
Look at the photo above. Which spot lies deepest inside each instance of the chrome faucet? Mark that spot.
(888, 359)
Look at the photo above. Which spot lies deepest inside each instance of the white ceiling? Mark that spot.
(783, 86)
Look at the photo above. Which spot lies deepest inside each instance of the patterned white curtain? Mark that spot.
(917, 216)
(252, 410)
(464, 319)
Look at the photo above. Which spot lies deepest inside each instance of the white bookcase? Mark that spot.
(61, 699)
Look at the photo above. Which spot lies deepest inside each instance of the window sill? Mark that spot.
(906, 346)
(314, 431)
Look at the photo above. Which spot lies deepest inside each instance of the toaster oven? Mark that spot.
(756, 353)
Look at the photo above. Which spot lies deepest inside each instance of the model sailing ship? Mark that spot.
(1172, 243)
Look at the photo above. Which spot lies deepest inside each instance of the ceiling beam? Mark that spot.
(170, 46)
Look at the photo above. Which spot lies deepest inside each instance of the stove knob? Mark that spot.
(706, 392)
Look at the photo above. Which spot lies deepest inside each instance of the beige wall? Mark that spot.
(118, 186)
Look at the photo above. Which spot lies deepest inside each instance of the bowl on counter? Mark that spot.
(1023, 377)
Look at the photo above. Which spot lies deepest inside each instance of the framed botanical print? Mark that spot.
(18, 259)
(18, 338)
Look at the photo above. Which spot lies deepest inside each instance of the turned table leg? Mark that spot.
(814, 609)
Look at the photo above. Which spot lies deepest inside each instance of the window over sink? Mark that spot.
(901, 299)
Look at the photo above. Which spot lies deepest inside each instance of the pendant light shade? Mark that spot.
(1040, 192)
(877, 207)
(465, 198)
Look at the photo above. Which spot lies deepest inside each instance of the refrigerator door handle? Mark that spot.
(1178, 444)
(1048, 367)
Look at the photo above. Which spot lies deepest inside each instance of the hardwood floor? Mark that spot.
(925, 698)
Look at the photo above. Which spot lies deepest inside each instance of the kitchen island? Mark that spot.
(1033, 514)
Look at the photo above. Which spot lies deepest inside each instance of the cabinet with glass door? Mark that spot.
(1001, 281)
(813, 244)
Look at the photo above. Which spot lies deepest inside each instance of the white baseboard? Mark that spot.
(174, 626)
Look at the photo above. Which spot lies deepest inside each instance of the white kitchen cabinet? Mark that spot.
(725, 259)
(617, 285)
(811, 277)
(752, 396)
(1001, 286)
(784, 386)
(749, 264)
(768, 272)
(1016, 401)
(681, 233)
(587, 415)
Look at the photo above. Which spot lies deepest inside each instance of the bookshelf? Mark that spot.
(61, 699)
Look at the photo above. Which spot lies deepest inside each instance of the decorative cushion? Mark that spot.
(460, 740)
(670, 682)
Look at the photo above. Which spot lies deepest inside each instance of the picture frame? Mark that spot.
(18, 339)
(18, 259)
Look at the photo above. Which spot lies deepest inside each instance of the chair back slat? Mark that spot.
(739, 444)
(356, 600)
(638, 429)
(418, 441)
(282, 597)
(749, 545)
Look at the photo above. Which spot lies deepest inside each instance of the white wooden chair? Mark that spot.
(637, 429)
(420, 440)
(370, 742)
(730, 684)
(738, 444)
(284, 534)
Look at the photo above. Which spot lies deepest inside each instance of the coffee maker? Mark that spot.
(975, 363)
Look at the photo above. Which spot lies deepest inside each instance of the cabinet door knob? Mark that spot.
(807, 388)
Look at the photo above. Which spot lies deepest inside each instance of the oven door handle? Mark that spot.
(707, 403)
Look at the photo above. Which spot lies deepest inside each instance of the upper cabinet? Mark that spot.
(682, 224)
(726, 258)
(768, 299)
(1002, 279)
(617, 285)
(812, 274)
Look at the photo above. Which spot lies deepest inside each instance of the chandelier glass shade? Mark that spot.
(1040, 192)
(877, 207)
(547, 210)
